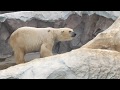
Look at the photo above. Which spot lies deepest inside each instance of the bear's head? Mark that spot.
(65, 34)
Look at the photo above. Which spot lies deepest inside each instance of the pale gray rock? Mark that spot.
(77, 64)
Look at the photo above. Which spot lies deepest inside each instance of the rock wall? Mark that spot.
(86, 27)
(2, 12)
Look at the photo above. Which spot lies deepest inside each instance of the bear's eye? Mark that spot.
(70, 31)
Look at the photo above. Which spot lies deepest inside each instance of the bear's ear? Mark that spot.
(48, 30)
(62, 31)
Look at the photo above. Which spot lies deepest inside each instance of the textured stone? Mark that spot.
(108, 39)
(77, 64)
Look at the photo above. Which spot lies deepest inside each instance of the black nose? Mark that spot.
(73, 34)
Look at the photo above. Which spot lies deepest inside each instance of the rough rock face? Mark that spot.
(86, 27)
(86, 24)
(108, 39)
(77, 64)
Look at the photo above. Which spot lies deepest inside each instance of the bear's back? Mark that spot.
(29, 37)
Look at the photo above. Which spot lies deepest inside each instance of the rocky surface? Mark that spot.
(86, 24)
(108, 39)
(77, 64)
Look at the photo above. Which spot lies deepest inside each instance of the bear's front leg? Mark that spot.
(46, 50)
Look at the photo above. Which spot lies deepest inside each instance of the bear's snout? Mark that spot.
(73, 34)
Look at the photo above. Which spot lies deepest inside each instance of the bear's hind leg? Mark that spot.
(19, 56)
(45, 51)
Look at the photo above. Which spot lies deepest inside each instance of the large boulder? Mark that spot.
(77, 64)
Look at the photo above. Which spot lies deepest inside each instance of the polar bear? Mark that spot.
(28, 39)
